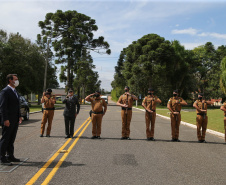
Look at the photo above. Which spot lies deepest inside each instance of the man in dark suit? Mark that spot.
(70, 113)
(10, 119)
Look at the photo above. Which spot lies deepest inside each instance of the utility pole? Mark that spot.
(46, 65)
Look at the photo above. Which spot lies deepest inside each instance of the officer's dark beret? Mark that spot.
(97, 91)
(49, 90)
(175, 91)
(127, 87)
(201, 94)
(151, 89)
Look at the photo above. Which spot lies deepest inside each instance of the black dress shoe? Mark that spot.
(128, 138)
(152, 139)
(93, 137)
(173, 140)
(41, 135)
(71, 136)
(67, 137)
(122, 138)
(6, 162)
(178, 140)
(13, 159)
(98, 137)
(204, 141)
(199, 141)
(47, 135)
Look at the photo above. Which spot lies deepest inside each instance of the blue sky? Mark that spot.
(121, 22)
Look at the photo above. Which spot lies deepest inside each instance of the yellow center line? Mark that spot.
(54, 170)
(45, 166)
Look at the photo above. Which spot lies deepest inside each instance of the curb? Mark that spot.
(219, 134)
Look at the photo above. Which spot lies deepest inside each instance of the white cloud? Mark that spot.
(189, 31)
(214, 35)
(191, 46)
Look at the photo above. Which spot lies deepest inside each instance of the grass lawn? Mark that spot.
(215, 117)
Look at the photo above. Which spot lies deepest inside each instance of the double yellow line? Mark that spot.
(54, 170)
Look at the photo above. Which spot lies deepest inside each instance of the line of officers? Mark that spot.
(99, 108)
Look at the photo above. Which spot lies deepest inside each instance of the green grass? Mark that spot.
(215, 117)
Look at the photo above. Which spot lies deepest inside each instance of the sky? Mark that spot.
(120, 22)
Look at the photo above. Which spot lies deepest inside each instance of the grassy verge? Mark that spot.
(215, 117)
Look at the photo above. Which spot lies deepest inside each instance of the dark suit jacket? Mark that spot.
(70, 106)
(9, 106)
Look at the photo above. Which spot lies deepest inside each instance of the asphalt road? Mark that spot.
(114, 161)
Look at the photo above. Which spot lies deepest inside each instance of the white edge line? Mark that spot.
(15, 166)
(219, 134)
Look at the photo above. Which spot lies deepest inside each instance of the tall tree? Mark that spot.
(72, 33)
(20, 56)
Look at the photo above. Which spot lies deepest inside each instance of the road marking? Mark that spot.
(54, 170)
(40, 172)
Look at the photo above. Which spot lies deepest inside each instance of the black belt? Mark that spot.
(224, 115)
(98, 112)
(123, 108)
(201, 114)
(49, 108)
(151, 110)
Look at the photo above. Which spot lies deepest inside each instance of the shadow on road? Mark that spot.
(52, 165)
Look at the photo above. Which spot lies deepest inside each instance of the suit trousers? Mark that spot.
(7, 140)
(126, 119)
(96, 124)
(69, 125)
(47, 116)
(150, 117)
(201, 124)
(175, 124)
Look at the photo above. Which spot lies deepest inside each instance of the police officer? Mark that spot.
(202, 118)
(70, 113)
(174, 105)
(126, 102)
(98, 112)
(48, 112)
(223, 108)
(149, 104)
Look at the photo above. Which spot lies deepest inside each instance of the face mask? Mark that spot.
(150, 93)
(126, 90)
(97, 95)
(16, 83)
(200, 98)
(174, 95)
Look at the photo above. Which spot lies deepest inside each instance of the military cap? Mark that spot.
(97, 91)
(200, 94)
(127, 87)
(175, 91)
(70, 90)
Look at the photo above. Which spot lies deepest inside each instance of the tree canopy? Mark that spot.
(71, 35)
(152, 61)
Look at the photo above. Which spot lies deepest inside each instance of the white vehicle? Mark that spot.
(105, 98)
